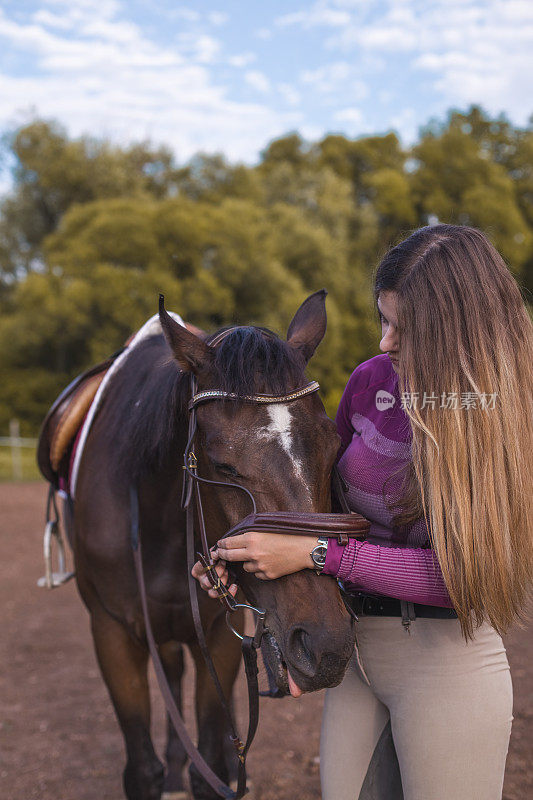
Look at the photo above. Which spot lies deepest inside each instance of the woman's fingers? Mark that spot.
(237, 554)
(199, 572)
(231, 589)
(234, 548)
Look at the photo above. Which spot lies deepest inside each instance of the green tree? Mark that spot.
(462, 176)
(91, 233)
(53, 173)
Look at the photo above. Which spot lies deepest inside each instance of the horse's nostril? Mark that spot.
(300, 651)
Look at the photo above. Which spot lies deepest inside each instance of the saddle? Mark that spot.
(64, 419)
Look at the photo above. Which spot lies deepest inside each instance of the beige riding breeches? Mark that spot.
(420, 715)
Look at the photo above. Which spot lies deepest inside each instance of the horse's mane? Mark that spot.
(146, 401)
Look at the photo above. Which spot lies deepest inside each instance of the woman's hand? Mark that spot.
(200, 573)
(268, 555)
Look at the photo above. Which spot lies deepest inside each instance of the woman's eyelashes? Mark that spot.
(384, 321)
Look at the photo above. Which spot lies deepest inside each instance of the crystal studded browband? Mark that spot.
(215, 394)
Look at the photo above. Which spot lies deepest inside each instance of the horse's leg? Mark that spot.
(172, 658)
(123, 663)
(213, 732)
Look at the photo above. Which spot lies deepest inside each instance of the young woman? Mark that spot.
(437, 443)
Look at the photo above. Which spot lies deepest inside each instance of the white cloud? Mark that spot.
(47, 18)
(242, 59)
(100, 73)
(188, 14)
(218, 18)
(353, 115)
(474, 51)
(319, 15)
(88, 64)
(311, 133)
(289, 94)
(405, 123)
(330, 78)
(257, 81)
(199, 47)
(326, 78)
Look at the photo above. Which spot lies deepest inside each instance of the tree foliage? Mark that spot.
(91, 233)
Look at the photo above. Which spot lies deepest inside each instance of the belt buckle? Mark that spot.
(365, 603)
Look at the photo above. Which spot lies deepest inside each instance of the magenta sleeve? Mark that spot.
(342, 417)
(406, 573)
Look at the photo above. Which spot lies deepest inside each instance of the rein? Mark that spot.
(340, 526)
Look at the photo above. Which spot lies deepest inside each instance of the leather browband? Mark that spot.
(264, 399)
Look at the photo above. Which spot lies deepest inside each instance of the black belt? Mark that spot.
(370, 605)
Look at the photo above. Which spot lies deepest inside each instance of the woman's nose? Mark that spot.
(389, 342)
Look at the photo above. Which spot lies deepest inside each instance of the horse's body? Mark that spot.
(283, 455)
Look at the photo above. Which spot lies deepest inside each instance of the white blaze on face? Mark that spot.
(280, 429)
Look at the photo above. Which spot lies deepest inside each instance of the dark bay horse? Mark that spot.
(282, 454)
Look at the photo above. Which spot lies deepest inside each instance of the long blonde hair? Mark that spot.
(465, 333)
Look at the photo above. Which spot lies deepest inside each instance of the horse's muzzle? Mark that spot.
(316, 658)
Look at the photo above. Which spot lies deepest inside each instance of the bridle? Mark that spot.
(249, 644)
(192, 479)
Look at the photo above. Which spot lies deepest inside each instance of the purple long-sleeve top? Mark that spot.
(376, 447)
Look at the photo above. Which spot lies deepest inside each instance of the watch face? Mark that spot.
(319, 555)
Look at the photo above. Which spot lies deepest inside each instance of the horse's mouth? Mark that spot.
(285, 680)
(275, 665)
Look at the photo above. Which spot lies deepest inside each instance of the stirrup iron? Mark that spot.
(52, 531)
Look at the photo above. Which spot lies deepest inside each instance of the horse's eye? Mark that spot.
(226, 469)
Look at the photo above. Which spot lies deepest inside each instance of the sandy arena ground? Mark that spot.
(58, 736)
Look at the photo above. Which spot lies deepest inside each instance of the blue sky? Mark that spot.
(229, 76)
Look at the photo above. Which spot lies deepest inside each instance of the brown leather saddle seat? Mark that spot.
(64, 419)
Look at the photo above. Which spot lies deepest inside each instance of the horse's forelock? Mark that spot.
(252, 359)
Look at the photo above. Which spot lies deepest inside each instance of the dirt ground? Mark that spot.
(58, 735)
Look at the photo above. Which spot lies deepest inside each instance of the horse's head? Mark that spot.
(283, 454)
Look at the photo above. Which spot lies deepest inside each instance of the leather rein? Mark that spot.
(340, 526)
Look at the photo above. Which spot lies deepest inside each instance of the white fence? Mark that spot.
(15, 442)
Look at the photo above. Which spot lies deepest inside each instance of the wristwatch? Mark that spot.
(318, 554)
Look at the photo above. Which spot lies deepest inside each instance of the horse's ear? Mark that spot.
(191, 352)
(308, 326)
